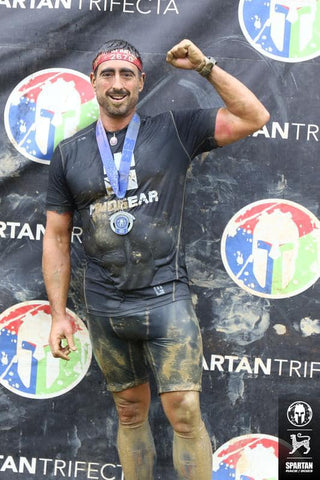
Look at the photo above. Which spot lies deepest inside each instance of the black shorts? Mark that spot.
(165, 339)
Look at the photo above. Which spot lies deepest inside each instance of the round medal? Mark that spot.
(121, 222)
(113, 140)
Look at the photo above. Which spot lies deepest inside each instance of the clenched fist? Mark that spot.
(186, 55)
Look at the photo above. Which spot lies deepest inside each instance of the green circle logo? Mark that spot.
(271, 248)
(27, 366)
(285, 30)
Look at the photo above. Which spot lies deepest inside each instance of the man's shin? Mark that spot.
(192, 455)
(136, 451)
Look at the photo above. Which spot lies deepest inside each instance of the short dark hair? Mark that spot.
(110, 45)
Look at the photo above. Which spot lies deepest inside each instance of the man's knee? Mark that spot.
(133, 405)
(183, 411)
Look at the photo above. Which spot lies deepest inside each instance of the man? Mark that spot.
(126, 177)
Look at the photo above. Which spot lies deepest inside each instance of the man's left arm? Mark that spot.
(242, 114)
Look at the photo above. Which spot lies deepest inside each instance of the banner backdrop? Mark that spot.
(251, 230)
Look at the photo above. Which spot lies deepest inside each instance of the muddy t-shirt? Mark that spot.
(151, 253)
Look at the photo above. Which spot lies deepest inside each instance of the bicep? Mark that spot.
(228, 128)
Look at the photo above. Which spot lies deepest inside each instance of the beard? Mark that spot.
(118, 108)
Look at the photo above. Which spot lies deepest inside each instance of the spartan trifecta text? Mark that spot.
(141, 7)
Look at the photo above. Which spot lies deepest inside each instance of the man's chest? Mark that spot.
(153, 167)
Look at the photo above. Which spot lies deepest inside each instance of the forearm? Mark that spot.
(242, 113)
(56, 267)
(238, 99)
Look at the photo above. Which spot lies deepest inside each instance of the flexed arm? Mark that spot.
(56, 267)
(243, 113)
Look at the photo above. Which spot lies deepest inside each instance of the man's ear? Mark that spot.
(93, 80)
(142, 80)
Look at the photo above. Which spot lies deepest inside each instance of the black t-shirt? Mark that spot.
(151, 253)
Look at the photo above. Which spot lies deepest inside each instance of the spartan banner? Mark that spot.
(251, 230)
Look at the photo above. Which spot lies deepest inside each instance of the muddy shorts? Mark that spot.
(165, 339)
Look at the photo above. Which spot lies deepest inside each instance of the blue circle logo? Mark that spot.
(27, 366)
(285, 30)
(271, 248)
(253, 456)
(47, 107)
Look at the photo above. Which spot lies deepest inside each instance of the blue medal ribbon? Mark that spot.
(118, 179)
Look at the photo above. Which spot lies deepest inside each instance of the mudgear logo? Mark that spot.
(47, 107)
(27, 366)
(285, 30)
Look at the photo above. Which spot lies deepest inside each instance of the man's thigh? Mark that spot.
(165, 338)
(121, 361)
(175, 348)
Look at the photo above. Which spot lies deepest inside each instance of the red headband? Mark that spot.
(121, 54)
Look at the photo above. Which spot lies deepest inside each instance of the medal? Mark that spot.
(113, 140)
(121, 222)
(118, 179)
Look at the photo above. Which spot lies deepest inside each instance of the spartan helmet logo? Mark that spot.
(275, 237)
(31, 342)
(300, 13)
(59, 105)
(299, 414)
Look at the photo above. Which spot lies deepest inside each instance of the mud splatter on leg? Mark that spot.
(135, 443)
(192, 451)
(136, 451)
(192, 455)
